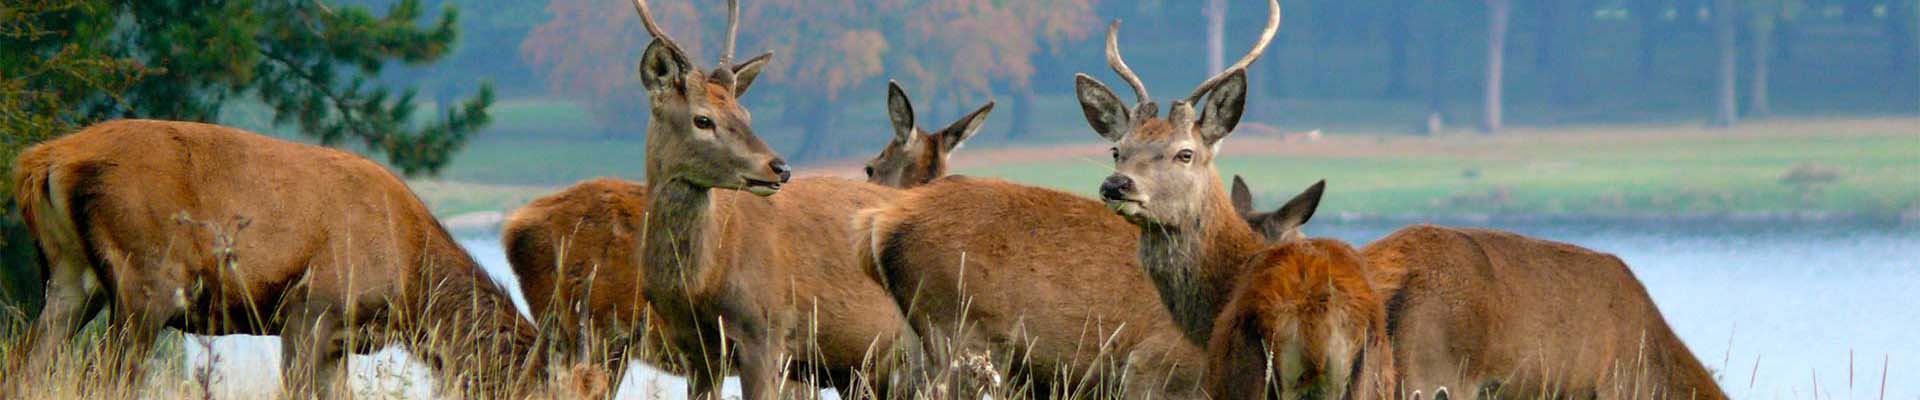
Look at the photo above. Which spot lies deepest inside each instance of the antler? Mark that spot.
(1120, 65)
(646, 18)
(733, 31)
(1266, 37)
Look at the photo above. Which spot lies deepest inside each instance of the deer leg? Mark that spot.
(73, 297)
(762, 357)
(705, 366)
(557, 341)
(901, 365)
(134, 330)
(615, 359)
(312, 353)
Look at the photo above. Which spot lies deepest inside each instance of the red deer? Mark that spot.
(1202, 255)
(767, 280)
(1279, 226)
(1469, 310)
(1046, 282)
(576, 251)
(1495, 314)
(147, 218)
(1024, 274)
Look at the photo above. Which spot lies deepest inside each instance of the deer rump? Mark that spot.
(1041, 283)
(577, 255)
(215, 230)
(1477, 310)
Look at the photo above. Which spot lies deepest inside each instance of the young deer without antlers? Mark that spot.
(577, 251)
(769, 281)
(216, 231)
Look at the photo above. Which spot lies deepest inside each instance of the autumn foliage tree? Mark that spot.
(823, 51)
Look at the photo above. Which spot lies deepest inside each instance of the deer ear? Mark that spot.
(953, 135)
(1242, 197)
(900, 110)
(1297, 211)
(744, 73)
(1224, 106)
(1105, 113)
(663, 69)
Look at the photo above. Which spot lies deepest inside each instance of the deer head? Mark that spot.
(1283, 225)
(915, 156)
(1163, 167)
(699, 133)
(1328, 340)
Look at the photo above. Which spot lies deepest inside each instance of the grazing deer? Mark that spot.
(577, 251)
(1204, 258)
(147, 218)
(769, 281)
(1494, 314)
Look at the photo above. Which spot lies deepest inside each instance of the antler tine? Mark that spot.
(1266, 37)
(1120, 65)
(733, 31)
(646, 18)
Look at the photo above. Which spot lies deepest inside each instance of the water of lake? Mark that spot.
(1777, 308)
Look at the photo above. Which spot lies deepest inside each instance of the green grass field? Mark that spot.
(1592, 171)
(1597, 170)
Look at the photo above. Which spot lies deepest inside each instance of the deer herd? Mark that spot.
(910, 284)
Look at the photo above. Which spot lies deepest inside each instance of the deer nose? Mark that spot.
(779, 166)
(1116, 187)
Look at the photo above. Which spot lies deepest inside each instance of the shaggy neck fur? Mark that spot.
(678, 222)
(1194, 263)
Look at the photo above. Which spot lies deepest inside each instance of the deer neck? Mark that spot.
(1194, 263)
(673, 242)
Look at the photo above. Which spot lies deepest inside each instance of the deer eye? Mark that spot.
(1116, 154)
(702, 122)
(1185, 156)
(869, 171)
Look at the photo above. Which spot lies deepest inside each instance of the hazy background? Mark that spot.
(565, 68)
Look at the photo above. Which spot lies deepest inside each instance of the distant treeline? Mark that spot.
(1395, 64)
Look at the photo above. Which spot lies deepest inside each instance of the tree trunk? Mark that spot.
(1216, 13)
(1757, 103)
(1647, 15)
(1561, 56)
(1398, 34)
(1439, 60)
(816, 126)
(1022, 111)
(1316, 35)
(1551, 20)
(1897, 33)
(1497, 13)
(1725, 94)
(1784, 34)
(1277, 83)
